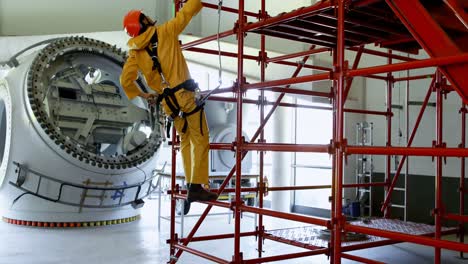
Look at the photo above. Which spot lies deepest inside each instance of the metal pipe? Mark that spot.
(459, 11)
(367, 112)
(217, 237)
(293, 217)
(407, 100)
(349, 82)
(285, 147)
(201, 254)
(256, 102)
(302, 79)
(239, 138)
(307, 66)
(433, 62)
(421, 240)
(413, 151)
(456, 217)
(438, 206)
(389, 130)
(261, 183)
(286, 256)
(298, 54)
(361, 259)
(461, 225)
(340, 82)
(382, 54)
(354, 185)
(377, 77)
(413, 78)
(298, 91)
(223, 53)
(207, 39)
(331, 244)
(323, 5)
(173, 186)
(230, 10)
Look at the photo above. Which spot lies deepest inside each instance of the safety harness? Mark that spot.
(168, 93)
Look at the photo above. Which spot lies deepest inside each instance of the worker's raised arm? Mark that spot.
(129, 76)
(183, 17)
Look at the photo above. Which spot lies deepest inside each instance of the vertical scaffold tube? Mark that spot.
(239, 140)
(461, 225)
(173, 180)
(261, 183)
(438, 178)
(390, 82)
(339, 71)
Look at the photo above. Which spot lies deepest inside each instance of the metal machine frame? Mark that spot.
(451, 62)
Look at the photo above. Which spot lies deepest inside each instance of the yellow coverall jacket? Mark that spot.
(194, 144)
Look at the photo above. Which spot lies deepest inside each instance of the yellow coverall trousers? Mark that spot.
(194, 146)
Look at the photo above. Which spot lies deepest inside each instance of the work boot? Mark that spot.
(184, 206)
(197, 193)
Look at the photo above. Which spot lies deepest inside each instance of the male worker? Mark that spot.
(156, 52)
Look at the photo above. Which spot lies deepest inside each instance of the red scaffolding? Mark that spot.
(340, 26)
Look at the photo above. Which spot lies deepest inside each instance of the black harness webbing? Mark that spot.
(168, 93)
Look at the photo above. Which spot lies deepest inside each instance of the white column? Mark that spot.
(281, 167)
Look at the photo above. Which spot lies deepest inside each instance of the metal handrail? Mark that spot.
(22, 171)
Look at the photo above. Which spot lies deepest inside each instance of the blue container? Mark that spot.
(355, 209)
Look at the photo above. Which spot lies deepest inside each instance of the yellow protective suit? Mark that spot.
(194, 144)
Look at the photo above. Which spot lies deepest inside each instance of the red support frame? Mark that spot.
(448, 63)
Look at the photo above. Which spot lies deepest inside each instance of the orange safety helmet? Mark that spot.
(131, 23)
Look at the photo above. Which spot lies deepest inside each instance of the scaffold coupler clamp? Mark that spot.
(441, 145)
(260, 101)
(335, 71)
(261, 141)
(233, 205)
(463, 110)
(262, 56)
(438, 211)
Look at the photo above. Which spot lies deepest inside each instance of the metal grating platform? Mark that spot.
(310, 236)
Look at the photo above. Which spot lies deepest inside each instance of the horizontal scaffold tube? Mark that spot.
(201, 254)
(422, 240)
(221, 236)
(286, 147)
(293, 217)
(413, 151)
(298, 54)
(361, 259)
(286, 256)
(323, 5)
(433, 62)
(302, 79)
(230, 10)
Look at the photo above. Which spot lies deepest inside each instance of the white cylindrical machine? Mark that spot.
(73, 148)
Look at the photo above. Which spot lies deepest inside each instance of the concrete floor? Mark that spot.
(140, 242)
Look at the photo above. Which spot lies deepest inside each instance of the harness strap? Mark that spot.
(154, 53)
(168, 94)
(184, 115)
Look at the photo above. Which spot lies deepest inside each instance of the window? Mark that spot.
(312, 127)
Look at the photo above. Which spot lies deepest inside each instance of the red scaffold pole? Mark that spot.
(438, 209)
(339, 220)
(237, 258)
(261, 183)
(461, 225)
(390, 83)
